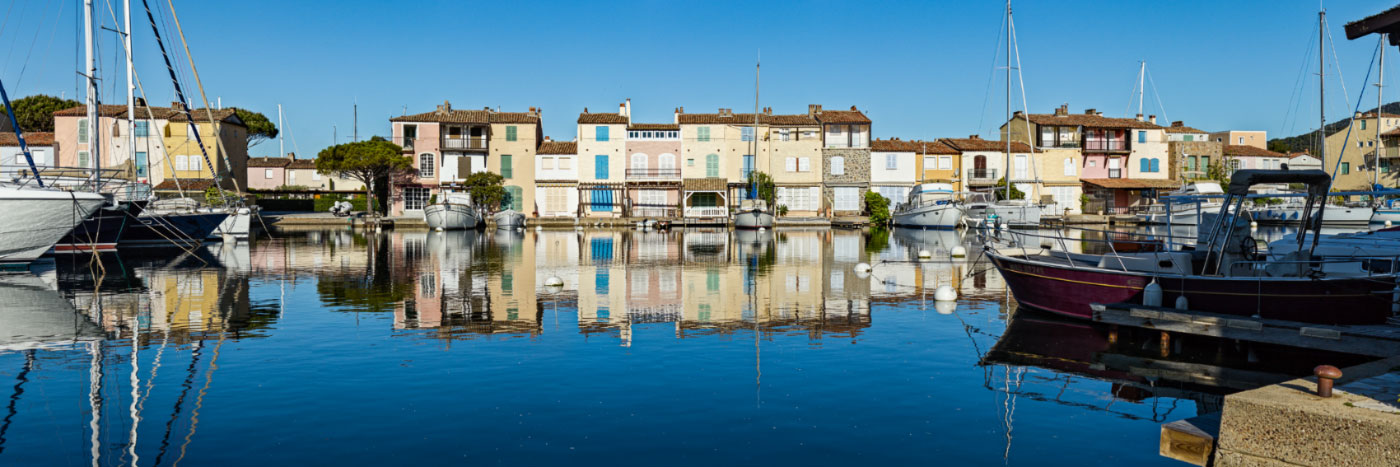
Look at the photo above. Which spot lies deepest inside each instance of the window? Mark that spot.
(712, 280)
(891, 162)
(702, 134)
(510, 132)
(790, 164)
(507, 282)
(82, 130)
(804, 164)
(1155, 166)
(930, 162)
(1205, 162)
(1021, 173)
(546, 163)
(838, 165)
(666, 161)
(639, 161)
(1069, 166)
(1144, 165)
(1188, 138)
(507, 166)
(267, 173)
(426, 165)
(712, 165)
(1241, 140)
(410, 133)
(785, 134)
(838, 280)
(748, 166)
(1363, 124)
(84, 162)
(600, 165)
(600, 133)
(601, 200)
(143, 128)
(181, 162)
(415, 198)
(566, 163)
(847, 198)
(515, 198)
(1346, 168)
(746, 133)
(1142, 136)
(945, 162)
(1190, 163)
(799, 199)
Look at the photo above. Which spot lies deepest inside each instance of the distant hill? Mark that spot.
(1307, 141)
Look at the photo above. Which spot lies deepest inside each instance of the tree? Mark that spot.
(486, 189)
(879, 209)
(767, 191)
(35, 113)
(365, 161)
(260, 129)
(1001, 190)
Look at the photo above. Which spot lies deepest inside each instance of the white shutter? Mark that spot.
(804, 164)
(838, 165)
(791, 164)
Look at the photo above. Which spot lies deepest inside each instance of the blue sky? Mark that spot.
(919, 69)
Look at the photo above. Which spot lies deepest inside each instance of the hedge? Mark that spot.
(357, 203)
(286, 205)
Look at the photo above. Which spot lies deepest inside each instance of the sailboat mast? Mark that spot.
(1322, 89)
(1008, 100)
(90, 70)
(757, 80)
(1142, 74)
(130, 89)
(281, 144)
(1380, 109)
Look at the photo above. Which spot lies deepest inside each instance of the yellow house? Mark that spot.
(229, 154)
(514, 137)
(936, 161)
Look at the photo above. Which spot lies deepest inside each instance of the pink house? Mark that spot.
(267, 173)
(653, 172)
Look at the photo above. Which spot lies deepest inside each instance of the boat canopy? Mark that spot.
(1318, 181)
(1202, 188)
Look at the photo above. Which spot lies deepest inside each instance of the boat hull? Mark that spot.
(35, 220)
(101, 232)
(450, 217)
(942, 216)
(172, 229)
(509, 219)
(1331, 217)
(1179, 216)
(1069, 291)
(1382, 216)
(753, 220)
(238, 226)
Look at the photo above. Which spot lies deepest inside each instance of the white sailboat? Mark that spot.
(1010, 212)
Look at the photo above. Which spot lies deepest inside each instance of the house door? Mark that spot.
(847, 198)
(1115, 169)
(464, 167)
(979, 163)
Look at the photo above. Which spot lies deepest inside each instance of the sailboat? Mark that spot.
(1007, 211)
(754, 212)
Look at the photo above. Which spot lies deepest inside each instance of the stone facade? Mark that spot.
(1178, 151)
(856, 174)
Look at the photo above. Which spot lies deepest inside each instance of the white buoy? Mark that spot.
(1387, 224)
(1181, 303)
(863, 267)
(959, 252)
(539, 228)
(1152, 294)
(553, 281)
(760, 229)
(1253, 225)
(945, 308)
(439, 229)
(945, 293)
(924, 254)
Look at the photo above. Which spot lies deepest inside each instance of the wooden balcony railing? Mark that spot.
(464, 143)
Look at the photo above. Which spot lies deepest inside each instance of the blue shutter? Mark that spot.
(1144, 166)
(1142, 136)
(1155, 165)
(601, 133)
(600, 167)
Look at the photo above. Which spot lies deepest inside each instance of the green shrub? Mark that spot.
(287, 205)
(878, 207)
(357, 203)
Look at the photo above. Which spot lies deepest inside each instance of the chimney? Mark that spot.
(1176, 124)
(1139, 117)
(1152, 119)
(1062, 110)
(622, 109)
(813, 109)
(140, 102)
(546, 139)
(628, 108)
(677, 118)
(1018, 114)
(445, 107)
(292, 155)
(1359, 114)
(853, 108)
(1088, 111)
(177, 105)
(974, 137)
(1098, 114)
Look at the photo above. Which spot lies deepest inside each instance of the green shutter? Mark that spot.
(702, 134)
(712, 165)
(510, 133)
(506, 170)
(82, 130)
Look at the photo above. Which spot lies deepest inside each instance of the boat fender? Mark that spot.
(944, 293)
(1152, 294)
(959, 252)
(925, 254)
(1046, 244)
(1387, 224)
(1181, 303)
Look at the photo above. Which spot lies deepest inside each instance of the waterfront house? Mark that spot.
(1190, 151)
(845, 159)
(164, 147)
(1355, 144)
(1250, 157)
(790, 151)
(717, 152)
(267, 173)
(1256, 138)
(653, 174)
(1106, 145)
(556, 178)
(602, 142)
(302, 172)
(12, 162)
(447, 145)
(985, 161)
(892, 168)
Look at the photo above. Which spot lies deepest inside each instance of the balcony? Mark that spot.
(1105, 145)
(982, 175)
(1390, 152)
(653, 174)
(707, 212)
(477, 143)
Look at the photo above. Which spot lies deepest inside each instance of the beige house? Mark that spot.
(164, 148)
(514, 137)
(602, 145)
(1356, 145)
(448, 145)
(1256, 138)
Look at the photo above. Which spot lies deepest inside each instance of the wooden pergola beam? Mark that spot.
(1385, 22)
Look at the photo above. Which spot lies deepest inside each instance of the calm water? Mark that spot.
(684, 348)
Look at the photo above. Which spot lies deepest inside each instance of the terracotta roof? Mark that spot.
(223, 115)
(653, 126)
(118, 111)
(1373, 115)
(558, 147)
(978, 144)
(34, 138)
(302, 164)
(447, 116)
(1239, 150)
(187, 184)
(747, 119)
(586, 117)
(1178, 127)
(893, 145)
(933, 147)
(268, 161)
(705, 184)
(842, 116)
(1131, 183)
(1395, 132)
(514, 117)
(1089, 121)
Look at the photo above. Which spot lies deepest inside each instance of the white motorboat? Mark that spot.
(33, 219)
(453, 213)
(980, 207)
(1332, 215)
(753, 214)
(1184, 211)
(509, 219)
(237, 225)
(929, 206)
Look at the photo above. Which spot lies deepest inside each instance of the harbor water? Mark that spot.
(689, 347)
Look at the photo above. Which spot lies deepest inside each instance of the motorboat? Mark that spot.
(1222, 273)
(1291, 209)
(509, 219)
(453, 213)
(983, 208)
(1184, 206)
(929, 206)
(753, 214)
(32, 219)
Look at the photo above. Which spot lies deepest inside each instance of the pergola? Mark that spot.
(1385, 22)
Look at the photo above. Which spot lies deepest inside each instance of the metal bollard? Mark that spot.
(1325, 375)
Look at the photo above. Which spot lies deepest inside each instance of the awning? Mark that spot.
(705, 184)
(1131, 183)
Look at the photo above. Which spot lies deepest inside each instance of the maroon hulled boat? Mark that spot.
(1224, 274)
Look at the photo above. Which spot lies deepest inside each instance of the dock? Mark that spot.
(1285, 423)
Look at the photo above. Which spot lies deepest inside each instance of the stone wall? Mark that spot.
(857, 166)
(1178, 150)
